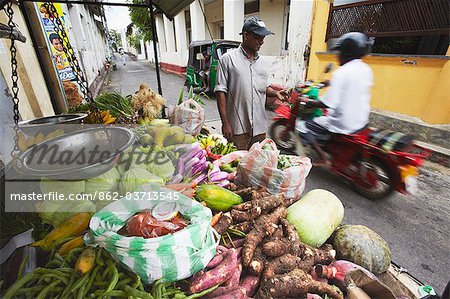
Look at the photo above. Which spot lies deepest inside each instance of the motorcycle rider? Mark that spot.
(347, 100)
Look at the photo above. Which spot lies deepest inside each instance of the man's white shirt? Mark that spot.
(348, 98)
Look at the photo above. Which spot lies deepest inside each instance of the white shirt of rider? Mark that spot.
(348, 98)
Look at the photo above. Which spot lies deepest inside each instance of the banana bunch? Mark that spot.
(223, 149)
(25, 143)
(207, 142)
(107, 117)
(144, 120)
(100, 117)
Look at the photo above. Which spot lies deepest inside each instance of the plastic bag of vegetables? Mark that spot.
(189, 115)
(264, 166)
(170, 257)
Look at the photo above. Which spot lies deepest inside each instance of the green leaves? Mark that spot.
(140, 17)
(192, 95)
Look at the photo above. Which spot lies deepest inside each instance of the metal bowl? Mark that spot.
(48, 124)
(78, 155)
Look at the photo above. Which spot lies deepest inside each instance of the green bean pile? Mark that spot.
(58, 279)
(106, 280)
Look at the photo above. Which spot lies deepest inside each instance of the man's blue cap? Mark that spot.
(256, 26)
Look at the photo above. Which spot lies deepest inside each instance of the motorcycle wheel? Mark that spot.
(284, 137)
(381, 176)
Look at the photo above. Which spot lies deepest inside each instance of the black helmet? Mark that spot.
(352, 45)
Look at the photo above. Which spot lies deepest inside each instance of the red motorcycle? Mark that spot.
(374, 162)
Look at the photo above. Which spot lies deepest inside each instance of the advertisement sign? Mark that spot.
(60, 58)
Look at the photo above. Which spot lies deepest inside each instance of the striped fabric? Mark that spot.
(259, 168)
(171, 257)
(189, 115)
(390, 140)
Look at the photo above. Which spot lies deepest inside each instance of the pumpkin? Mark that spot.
(362, 246)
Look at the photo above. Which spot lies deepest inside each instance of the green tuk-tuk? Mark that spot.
(205, 53)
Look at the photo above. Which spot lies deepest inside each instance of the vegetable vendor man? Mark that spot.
(242, 87)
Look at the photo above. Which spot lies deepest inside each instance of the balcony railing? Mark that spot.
(383, 18)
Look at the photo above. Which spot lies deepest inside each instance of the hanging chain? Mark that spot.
(68, 50)
(14, 78)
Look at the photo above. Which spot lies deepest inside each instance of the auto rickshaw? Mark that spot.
(199, 52)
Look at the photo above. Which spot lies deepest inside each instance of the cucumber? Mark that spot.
(217, 198)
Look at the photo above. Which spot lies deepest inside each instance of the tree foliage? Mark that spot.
(116, 40)
(140, 17)
(135, 41)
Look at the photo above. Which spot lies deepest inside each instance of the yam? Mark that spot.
(250, 283)
(216, 276)
(295, 284)
(265, 225)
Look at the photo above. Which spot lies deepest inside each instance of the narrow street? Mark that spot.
(416, 227)
(127, 78)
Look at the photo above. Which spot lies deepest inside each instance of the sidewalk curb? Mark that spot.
(432, 134)
(439, 155)
(433, 137)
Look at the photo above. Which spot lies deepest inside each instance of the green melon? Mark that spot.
(362, 246)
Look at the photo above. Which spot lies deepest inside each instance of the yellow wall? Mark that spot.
(414, 86)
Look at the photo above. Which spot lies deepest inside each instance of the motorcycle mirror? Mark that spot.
(328, 68)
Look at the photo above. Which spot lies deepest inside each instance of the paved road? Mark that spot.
(417, 227)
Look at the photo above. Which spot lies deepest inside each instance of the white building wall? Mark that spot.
(181, 38)
(161, 33)
(233, 18)
(87, 40)
(290, 69)
(169, 34)
(142, 55)
(172, 37)
(198, 25)
(150, 52)
(123, 37)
